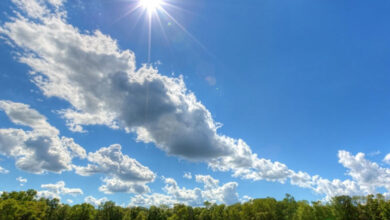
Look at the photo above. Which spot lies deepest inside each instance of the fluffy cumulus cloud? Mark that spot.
(40, 148)
(174, 194)
(365, 177)
(125, 174)
(94, 201)
(21, 180)
(104, 87)
(368, 175)
(57, 189)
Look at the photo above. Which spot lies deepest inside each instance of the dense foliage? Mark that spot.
(25, 205)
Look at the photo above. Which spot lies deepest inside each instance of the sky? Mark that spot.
(194, 100)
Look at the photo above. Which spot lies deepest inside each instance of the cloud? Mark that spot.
(187, 175)
(125, 174)
(58, 189)
(39, 149)
(57, 3)
(366, 178)
(175, 194)
(3, 170)
(369, 175)
(104, 87)
(21, 180)
(374, 153)
(387, 159)
(48, 195)
(156, 199)
(94, 201)
(22, 114)
(32, 8)
(208, 181)
(114, 185)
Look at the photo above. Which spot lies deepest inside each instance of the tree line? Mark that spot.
(25, 205)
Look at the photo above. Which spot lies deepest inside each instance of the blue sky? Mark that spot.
(253, 98)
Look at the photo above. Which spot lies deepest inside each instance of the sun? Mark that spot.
(150, 5)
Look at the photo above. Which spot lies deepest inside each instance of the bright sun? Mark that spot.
(150, 5)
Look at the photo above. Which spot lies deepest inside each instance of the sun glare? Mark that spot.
(150, 5)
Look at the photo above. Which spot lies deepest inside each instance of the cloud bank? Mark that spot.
(174, 194)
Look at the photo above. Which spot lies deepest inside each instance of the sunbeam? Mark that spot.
(153, 9)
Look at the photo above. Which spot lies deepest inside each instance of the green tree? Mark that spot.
(304, 211)
(287, 207)
(109, 211)
(343, 208)
(142, 215)
(322, 212)
(83, 212)
(181, 211)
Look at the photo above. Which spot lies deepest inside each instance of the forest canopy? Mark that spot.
(26, 205)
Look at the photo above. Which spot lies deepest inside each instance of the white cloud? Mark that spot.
(94, 201)
(113, 185)
(125, 174)
(366, 178)
(245, 199)
(39, 149)
(336, 187)
(187, 175)
(75, 149)
(22, 114)
(33, 8)
(3, 170)
(69, 201)
(48, 195)
(104, 87)
(155, 199)
(57, 3)
(368, 175)
(387, 159)
(58, 189)
(21, 180)
(211, 192)
(208, 181)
